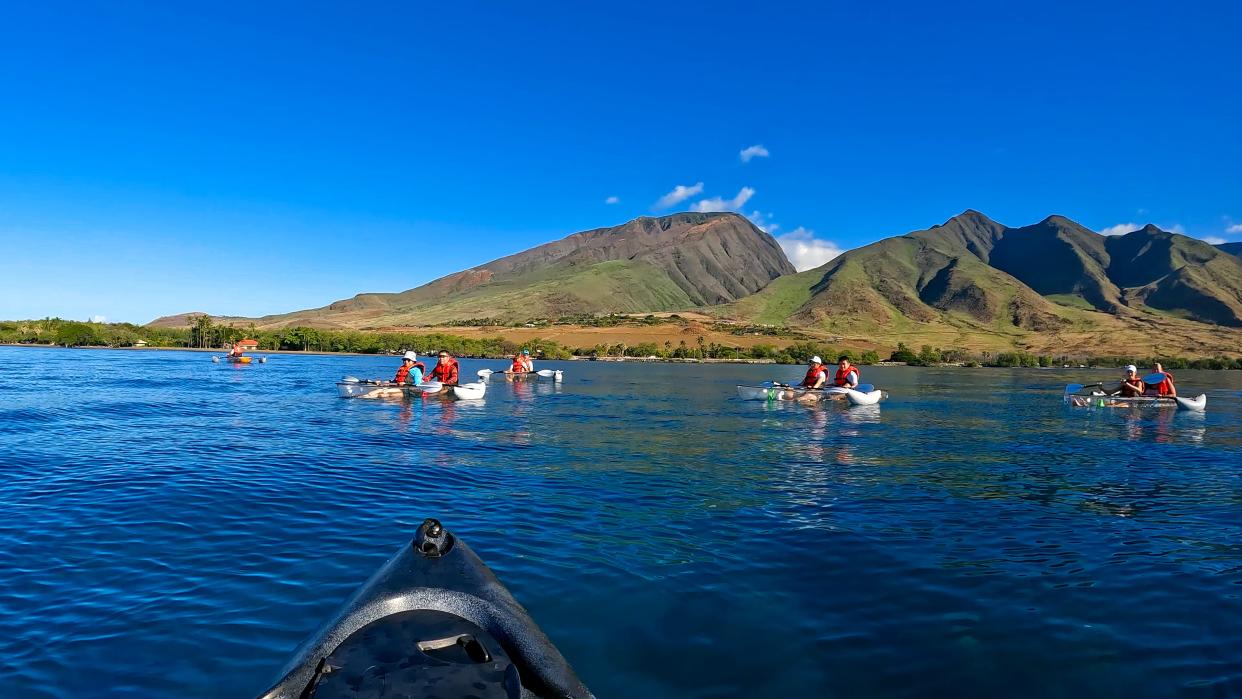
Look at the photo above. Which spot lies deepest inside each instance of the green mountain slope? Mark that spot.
(649, 264)
(974, 274)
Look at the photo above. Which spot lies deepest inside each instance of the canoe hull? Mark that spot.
(1099, 400)
(470, 391)
(367, 390)
(867, 398)
(789, 393)
(418, 614)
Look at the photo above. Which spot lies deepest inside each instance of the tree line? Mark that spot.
(202, 332)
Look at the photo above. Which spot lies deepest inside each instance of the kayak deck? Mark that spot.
(383, 389)
(432, 621)
(811, 395)
(1101, 400)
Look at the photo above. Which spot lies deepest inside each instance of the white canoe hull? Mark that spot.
(861, 398)
(470, 391)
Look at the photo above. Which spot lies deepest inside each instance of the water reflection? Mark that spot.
(967, 522)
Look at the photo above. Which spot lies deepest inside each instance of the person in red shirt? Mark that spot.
(445, 370)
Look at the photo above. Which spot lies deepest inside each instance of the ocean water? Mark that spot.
(171, 527)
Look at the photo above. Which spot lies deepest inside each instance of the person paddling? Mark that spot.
(521, 363)
(445, 370)
(1164, 388)
(411, 370)
(237, 350)
(816, 375)
(847, 374)
(1131, 386)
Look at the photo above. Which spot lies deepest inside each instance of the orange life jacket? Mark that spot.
(445, 371)
(519, 366)
(403, 371)
(841, 379)
(813, 374)
(1163, 388)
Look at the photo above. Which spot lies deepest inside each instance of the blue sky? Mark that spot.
(252, 158)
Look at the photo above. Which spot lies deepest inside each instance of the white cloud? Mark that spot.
(1175, 228)
(755, 151)
(99, 319)
(1120, 229)
(806, 251)
(763, 221)
(679, 194)
(1235, 228)
(613, 200)
(718, 204)
(1215, 240)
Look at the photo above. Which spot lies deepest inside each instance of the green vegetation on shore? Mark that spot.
(202, 332)
(934, 356)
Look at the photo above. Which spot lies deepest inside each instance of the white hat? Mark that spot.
(1131, 367)
(412, 356)
(816, 360)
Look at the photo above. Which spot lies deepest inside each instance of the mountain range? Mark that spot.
(977, 271)
(969, 275)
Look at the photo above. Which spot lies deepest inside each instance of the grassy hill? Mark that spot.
(649, 264)
(973, 282)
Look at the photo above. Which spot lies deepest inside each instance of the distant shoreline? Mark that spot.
(222, 351)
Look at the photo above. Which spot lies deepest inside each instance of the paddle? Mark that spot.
(545, 373)
(1076, 387)
(862, 387)
(1154, 378)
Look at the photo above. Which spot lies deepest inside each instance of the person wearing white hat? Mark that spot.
(816, 375)
(1131, 384)
(410, 371)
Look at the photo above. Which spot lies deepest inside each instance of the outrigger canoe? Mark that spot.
(238, 360)
(350, 387)
(865, 395)
(1076, 396)
(433, 621)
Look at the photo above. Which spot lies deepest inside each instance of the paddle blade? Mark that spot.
(1073, 388)
(484, 372)
(1153, 378)
(350, 379)
(865, 388)
(545, 373)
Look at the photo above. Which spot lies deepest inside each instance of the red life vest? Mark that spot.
(403, 372)
(841, 378)
(519, 366)
(1163, 388)
(445, 371)
(813, 374)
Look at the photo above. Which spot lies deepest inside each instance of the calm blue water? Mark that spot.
(173, 527)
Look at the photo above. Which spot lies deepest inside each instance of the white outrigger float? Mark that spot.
(469, 391)
(865, 394)
(1093, 396)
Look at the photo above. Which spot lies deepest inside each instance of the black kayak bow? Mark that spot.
(433, 621)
